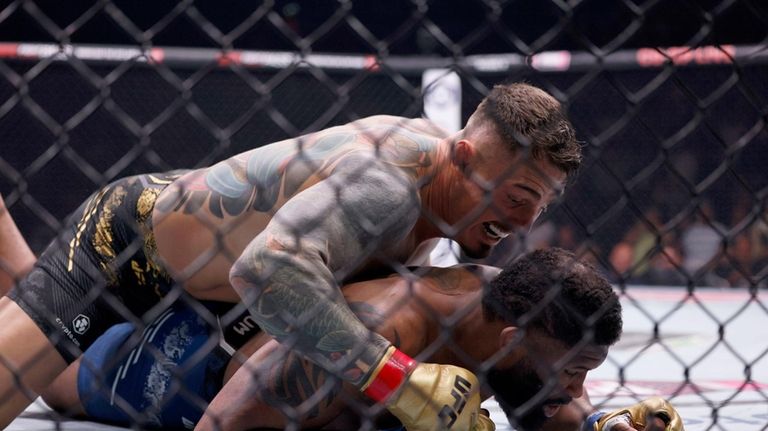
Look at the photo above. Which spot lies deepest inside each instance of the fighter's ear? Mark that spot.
(510, 342)
(462, 154)
(510, 338)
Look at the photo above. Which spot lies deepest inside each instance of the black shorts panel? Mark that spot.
(100, 270)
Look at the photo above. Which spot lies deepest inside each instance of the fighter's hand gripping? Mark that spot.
(427, 397)
(637, 416)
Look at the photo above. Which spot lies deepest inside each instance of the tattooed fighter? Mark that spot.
(278, 227)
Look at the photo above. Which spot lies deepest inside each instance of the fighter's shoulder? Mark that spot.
(460, 278)
(413, 125)
(485, 273)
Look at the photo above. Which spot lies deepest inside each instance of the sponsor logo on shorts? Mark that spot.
(81, 324)
(67, 332)
(245, 326)
(188, 424)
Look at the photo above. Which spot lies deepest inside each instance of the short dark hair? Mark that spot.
(551, 290)
(525, 116)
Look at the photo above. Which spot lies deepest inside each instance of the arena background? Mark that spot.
(669, 97)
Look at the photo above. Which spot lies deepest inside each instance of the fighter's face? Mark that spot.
(502, 198)
(549, 376)
(515, 390)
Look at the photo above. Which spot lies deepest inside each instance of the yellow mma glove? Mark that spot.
(637, 416)
(427, 397)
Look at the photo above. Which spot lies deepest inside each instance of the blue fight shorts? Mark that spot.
(165, 381)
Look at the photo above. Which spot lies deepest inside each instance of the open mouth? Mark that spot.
(551, 409)
(495, 231)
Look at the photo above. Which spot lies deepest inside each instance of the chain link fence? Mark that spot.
(673, 190)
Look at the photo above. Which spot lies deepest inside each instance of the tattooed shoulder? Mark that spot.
(447, 279)
(462, 277)
(255, 180)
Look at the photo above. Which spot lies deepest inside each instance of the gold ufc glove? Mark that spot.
(427, 397)
(637, 416)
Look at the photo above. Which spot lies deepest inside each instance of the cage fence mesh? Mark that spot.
(672, 191)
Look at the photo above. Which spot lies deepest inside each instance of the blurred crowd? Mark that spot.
(691, 249)
(700, 250)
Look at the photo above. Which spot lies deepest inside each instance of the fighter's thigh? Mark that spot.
(29, 362)
(67, 291)
(62, 394)
(220, 293)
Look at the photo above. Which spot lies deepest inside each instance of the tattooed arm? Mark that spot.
(287, 275)
(272, 389)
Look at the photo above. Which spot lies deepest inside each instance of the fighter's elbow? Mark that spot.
(238, 283)
(276, 263)
(252, 270)
(244, 276)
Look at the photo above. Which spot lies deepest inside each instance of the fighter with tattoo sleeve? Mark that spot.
(278, 227)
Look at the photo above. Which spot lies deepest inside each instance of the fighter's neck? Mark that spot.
(476, 336)
(441, 178)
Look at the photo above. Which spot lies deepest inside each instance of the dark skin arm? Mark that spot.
(275, 385)
(272, 387)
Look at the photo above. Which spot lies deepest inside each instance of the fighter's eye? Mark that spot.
(515, 201)
(570, 373)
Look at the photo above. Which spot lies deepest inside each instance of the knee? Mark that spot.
(62, 394)
(54, 400)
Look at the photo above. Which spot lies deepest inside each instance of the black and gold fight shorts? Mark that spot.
(102, 269)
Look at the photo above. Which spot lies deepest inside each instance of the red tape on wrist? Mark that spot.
(390, 377)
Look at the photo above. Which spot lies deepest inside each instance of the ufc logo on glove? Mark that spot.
(460, 393)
